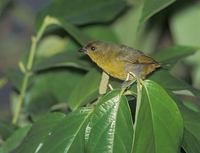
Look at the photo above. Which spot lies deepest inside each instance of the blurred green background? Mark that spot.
(16, 28)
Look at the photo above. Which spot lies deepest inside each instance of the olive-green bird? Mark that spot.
(119, 60)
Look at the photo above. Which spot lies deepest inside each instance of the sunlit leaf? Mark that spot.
(110, 128)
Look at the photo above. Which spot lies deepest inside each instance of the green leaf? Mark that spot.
(143, 38)
(77, 12)
(67, 59)
(39, 132)
(66, 134)
(128, 22)
(165, 79)
(124, 129)
(15, 139)
(59, 133)
(110, 128)
(15, 76)
(151, 7)
(191, 137)
(172, 54)
(101, 32)
(191, 142)
(6, 129)
(86, 90)
(159, 125)
(50, 46)
(74, 32)
(50, 88)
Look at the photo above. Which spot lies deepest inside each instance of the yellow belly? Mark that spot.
(115, 69)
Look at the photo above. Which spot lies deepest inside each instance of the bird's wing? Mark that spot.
(137, 57)
(143, 59)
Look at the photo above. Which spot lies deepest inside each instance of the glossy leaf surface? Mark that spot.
(159, 120)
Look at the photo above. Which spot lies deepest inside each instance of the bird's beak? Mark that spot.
(83, 50)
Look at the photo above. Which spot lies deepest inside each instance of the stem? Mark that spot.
(28, 68)
(104, 83)
(138, 104)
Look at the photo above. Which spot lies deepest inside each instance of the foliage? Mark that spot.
(59, 108)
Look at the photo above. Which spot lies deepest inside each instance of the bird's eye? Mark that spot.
(93, 48)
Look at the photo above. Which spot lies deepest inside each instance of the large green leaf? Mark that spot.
(151, 7)
(159, 125)
(110, 128)
(77, 12)
(68, 135)
(57, 134)
(86, 90)
(15, 139)
(76, 131)
(123, 137)
(39, 132)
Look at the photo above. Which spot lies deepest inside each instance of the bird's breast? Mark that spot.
(114, 68)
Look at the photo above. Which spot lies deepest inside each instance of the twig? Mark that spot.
(27, 70)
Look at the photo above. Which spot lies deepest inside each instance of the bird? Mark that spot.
(120, 61)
